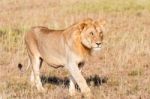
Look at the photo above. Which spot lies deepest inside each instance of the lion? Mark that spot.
(67, 48)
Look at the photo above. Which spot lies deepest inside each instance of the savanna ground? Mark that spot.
(124, 59)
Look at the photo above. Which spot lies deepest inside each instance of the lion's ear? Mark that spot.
(84, 23)
(103, 23)
(87, 20)
(100, 22)
(82, 26)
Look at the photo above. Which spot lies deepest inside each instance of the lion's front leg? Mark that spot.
(71, 86)
(77, 76)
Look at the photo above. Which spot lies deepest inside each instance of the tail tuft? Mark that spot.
(20, 66)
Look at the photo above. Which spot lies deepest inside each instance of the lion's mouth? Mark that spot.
(96, 48)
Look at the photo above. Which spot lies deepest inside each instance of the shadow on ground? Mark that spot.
(91, 81)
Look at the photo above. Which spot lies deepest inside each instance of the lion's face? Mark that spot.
(92, 35)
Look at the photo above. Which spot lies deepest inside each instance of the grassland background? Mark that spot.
(124, 59)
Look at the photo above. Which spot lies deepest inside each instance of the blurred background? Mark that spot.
(124, 59)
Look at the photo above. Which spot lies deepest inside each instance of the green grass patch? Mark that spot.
(109, 5)
(135, 73)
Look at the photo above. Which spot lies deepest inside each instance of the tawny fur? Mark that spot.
(64, 48)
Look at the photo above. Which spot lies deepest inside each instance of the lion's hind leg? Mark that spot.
(35, 74)
(36, 60)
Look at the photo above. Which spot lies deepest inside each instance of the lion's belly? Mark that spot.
(52, 50)
(53, 56)
(55, 61)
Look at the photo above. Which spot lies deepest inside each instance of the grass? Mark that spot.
(124, 59)
(108, 6)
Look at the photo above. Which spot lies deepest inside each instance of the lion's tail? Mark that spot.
(25, 70)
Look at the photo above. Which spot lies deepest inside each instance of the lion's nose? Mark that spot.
(98, 43)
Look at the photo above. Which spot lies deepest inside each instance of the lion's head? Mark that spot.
(92, 34)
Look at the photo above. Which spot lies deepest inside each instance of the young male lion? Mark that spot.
(64, 48)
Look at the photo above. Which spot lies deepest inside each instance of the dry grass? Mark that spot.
(124, 59)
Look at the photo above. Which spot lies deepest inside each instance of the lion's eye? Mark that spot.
(101, 32)
(91, 33)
